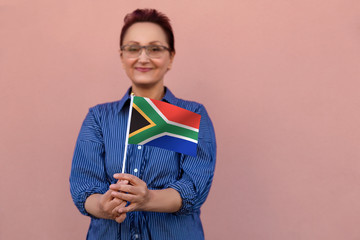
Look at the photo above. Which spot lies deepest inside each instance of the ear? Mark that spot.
(172, 56)
(122, 59)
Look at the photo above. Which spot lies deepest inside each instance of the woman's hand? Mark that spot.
(135, 192)
(141, 198)
(105, 205)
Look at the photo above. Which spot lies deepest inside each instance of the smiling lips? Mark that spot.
(142, 69)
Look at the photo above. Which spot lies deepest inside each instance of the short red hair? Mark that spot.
(153, 16)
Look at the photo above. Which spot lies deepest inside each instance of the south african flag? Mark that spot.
(163, 125)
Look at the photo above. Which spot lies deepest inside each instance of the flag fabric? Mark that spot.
(160, 124)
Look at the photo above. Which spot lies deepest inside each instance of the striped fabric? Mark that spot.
(98, 155)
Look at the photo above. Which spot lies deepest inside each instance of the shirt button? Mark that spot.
(135, 170)
(136, 236)
(139, 147)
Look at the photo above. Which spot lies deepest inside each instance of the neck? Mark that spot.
(156, 92)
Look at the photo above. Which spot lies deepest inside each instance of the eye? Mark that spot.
(155, 48)
(133, 48)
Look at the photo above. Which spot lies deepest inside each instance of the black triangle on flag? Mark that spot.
(137, 121)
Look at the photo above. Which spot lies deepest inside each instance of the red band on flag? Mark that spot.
(178, 114)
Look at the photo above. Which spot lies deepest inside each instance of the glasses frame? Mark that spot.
(144, 47)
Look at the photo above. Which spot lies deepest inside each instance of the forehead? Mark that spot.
(144, 33)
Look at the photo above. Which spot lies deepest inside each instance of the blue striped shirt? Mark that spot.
(98, 155)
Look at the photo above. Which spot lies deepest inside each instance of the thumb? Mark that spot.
(107, 195)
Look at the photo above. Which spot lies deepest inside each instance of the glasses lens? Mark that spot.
(155, 51)
(152, 51)
(132, 51)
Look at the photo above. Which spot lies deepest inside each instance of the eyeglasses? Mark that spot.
(152, 51)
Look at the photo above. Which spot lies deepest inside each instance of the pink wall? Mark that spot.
(279, 78)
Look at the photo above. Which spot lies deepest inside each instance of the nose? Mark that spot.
(143, 57)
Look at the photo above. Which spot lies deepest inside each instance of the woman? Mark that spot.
(161, 192)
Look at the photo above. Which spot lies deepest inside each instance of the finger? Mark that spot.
(120, 218)
(114, 205)
(120, 204)
(129, 177)
(116, 186)
(115, 212)
(107, 196)
(130, 208)
(125, 196)
(123, 188)
(107, 205)
(115, 202)
(123, 182)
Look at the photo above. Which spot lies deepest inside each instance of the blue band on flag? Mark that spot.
(175, 144)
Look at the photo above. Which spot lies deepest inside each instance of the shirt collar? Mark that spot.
(168, 97)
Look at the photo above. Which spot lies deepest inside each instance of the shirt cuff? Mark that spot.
(81, 198)
(187, 193)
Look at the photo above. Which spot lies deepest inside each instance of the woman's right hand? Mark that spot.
(105, 206)
(108, 206)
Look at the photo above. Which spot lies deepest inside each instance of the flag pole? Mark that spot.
(127, 131)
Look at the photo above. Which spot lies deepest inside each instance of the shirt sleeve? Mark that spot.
(88, 175)
(197, 172)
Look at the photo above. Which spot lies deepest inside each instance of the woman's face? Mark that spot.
(143, 71)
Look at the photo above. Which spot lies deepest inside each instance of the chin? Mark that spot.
(145, 82)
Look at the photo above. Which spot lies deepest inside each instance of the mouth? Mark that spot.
(142, 69)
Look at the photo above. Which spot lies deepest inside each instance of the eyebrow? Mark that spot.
(153, 42)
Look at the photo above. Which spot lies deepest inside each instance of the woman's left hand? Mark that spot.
(135, 192)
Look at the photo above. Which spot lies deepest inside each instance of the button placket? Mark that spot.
(138, 159)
